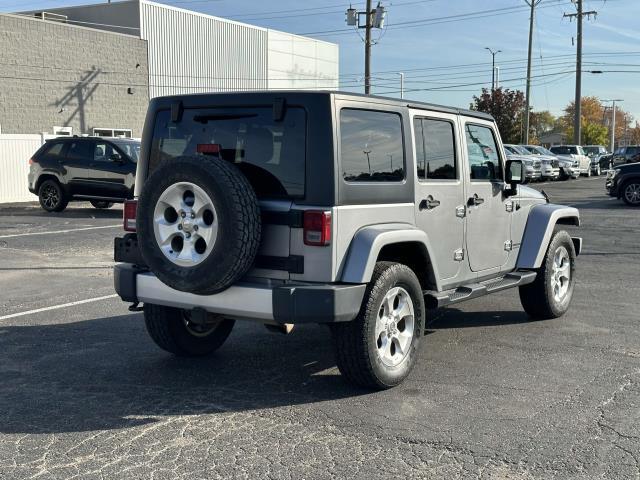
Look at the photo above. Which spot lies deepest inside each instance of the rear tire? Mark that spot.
(171, 329)
(52, 197)
(101, 204)
(379, 348)
(549, 296)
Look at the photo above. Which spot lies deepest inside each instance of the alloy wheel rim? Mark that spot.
(632, 193)
(394, 327)
(560, 274)
(198, 329)
(185, 224)
(50, 196)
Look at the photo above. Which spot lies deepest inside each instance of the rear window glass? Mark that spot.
(564, 150)
(270, 153)
(371, 146)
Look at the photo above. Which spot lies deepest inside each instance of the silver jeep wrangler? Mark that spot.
(355, 211)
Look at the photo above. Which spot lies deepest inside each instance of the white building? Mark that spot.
(190, 52)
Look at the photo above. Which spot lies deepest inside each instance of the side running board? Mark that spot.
(435, 299)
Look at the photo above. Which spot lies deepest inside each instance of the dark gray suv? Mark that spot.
(101, 170)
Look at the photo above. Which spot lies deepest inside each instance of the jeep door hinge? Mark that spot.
(508, 245)
(508, 206)
(458, 255)
(461, 211)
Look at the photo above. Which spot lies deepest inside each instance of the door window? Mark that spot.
(482, 150)
(80, 151)
(371, 146)
(103, 152)
(435, 149)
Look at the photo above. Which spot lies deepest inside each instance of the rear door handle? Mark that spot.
(475, 200)
(429, 203)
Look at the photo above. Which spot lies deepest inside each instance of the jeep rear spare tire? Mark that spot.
(198, 224)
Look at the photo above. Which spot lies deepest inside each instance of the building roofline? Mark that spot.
(26, 16)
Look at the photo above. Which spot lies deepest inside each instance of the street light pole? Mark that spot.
(493, 67)
(613, 121)
(401, 84)
(532, 4)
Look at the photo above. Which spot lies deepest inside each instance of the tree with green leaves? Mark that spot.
(506, 106)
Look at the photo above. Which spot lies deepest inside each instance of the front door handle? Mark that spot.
(429, 203)
(475, 200)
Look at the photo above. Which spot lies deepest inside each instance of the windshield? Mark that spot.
(131, 149)
(591, 150)
(270, 153)
(521, 150)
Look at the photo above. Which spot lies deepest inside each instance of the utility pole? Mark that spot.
(401, 84)
(577, 126)
(613, 121)
(493, 67)
(532, 4)
(374, 18)
(367, 50)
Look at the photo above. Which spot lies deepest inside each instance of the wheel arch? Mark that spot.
(402, 243)
(538, 231)
(47, 176)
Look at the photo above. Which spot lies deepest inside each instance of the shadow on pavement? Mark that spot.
(83, 210)
(105, 374)
(455, 318)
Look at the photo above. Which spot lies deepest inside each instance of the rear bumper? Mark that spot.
(304, 303)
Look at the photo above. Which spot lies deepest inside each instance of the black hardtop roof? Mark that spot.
(336, 94)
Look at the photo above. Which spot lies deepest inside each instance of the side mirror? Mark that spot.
(116, 157)
(514, 176)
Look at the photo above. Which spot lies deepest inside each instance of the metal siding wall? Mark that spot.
(15, 151)
(191, 53)
(297, 62)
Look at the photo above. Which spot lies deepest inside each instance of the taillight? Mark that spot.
(32, 161)
(317, 228)
(129, 215)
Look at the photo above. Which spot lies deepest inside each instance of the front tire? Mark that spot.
(172, 330)
(631, 193)
(549, 296)
(52, 197)
(379, 348)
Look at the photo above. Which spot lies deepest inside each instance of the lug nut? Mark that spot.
(179, 227)
(182, 214)
(187, 234)
(195, 227)
(193, 215)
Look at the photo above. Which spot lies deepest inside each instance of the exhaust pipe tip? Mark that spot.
(283, 328)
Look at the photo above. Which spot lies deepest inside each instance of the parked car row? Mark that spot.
(543, 164)
(98, 169)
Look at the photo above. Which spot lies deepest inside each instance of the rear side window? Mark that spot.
(53, 150)
(435, 149)
(371, 146)
(270, 153)
(80, 151)
(484, 160)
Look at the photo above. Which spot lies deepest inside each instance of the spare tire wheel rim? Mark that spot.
(185, 224)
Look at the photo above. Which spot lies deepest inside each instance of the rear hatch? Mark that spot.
(268, 147)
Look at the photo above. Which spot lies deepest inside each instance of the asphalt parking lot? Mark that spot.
(84, 392)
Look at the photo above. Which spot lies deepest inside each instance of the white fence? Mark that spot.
(15, 152)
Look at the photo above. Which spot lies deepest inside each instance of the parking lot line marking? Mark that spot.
(55, 307)
(60, 231)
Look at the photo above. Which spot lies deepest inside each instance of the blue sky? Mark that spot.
(444, 60)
